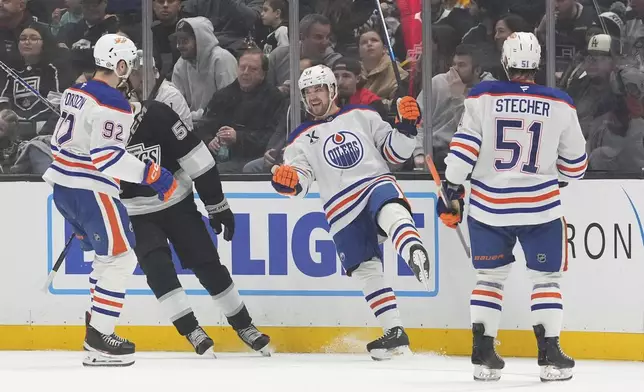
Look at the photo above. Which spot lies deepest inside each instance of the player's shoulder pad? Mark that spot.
(350, 108)
(305, 126)
(105, 95)
(551, 93)
(482, 88)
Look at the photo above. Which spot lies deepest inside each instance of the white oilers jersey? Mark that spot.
(347, 154)
(90, 138)
(518, 141)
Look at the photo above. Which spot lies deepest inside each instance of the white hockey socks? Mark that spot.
(112, 274)
(378, 294)
(546, 302)
(396, 221)
(486, 302)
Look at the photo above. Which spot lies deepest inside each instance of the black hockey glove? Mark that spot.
(220, 214)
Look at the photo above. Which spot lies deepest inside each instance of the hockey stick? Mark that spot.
(58, 263)
(441, 191)
(20, 80)
(392, 56)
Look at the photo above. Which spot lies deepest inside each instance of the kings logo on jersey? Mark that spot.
(146, 153)
(343, 150)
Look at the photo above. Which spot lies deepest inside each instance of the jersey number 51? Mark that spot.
(502, 144)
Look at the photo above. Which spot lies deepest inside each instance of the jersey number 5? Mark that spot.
(502, 144)
(65, 128)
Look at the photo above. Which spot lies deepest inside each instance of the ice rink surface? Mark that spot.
(185, 372)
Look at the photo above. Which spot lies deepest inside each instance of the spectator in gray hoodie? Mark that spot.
(449, 91)
(204, 67)
(233, 20)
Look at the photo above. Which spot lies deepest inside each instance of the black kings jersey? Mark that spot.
(158, 134)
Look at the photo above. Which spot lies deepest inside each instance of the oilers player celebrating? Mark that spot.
(518, 140)
(89, 161)
(346, 150)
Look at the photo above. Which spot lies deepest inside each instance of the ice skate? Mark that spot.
(107, 350)
(554, 363)
(419, 264)
(394, 342)
(487, 363)
(255, 340)
(200, 341)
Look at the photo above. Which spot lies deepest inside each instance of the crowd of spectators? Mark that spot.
(227, 69)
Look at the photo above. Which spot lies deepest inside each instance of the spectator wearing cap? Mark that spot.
(377, 70)
(233, 20)
(204, 67)
(315, 34)
(351, 89)
(243, 116)
(571, 26)
(81, 37)
(449, 91)
(167, 13)
(14, 17)
(42, 70)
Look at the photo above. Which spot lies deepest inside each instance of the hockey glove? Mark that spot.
(408, 116)
(159, 179)
(453, 215)
(220, 214)
(285, 180)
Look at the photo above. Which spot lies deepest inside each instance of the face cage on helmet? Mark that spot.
(332, 98)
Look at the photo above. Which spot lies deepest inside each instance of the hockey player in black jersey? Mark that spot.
(158, 134)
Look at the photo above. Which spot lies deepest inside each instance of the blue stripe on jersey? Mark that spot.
(113, 148)
(347, 190)
(104, 95)
(468, 137)
(112, 161)
(573, 161)
(71, 155)
(391, 148)
(510, 88)
(345, 109)
(463, 157)
(517, 210)
(516, 188)
(85, 175)
(364, 194)
(402, 227)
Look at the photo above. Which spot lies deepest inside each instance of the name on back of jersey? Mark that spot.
(145, 154)
(75, 100)
(533, 106)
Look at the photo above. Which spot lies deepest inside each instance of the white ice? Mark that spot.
(186, 372)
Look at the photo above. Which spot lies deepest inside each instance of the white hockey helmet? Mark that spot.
(111, 49)
(316, 76)
(521, 51)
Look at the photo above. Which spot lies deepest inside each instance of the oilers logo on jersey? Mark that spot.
(146, 153)
(343, 150)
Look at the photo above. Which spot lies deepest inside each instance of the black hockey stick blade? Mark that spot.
(58, 263)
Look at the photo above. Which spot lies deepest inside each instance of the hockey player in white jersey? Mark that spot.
(90, 160)
(346, 150)
(518, 140)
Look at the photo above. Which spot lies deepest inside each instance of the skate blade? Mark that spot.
(266, 351)
(210, 352)
(385, 355)
(419, 258)
(95, 358)
(551, 373)
(484, 373)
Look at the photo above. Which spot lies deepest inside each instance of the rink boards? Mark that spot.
(285, 266)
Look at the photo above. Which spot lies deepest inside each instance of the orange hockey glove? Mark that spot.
(408, 116)
(285, 180)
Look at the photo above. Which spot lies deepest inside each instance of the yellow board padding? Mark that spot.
(580, 345)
